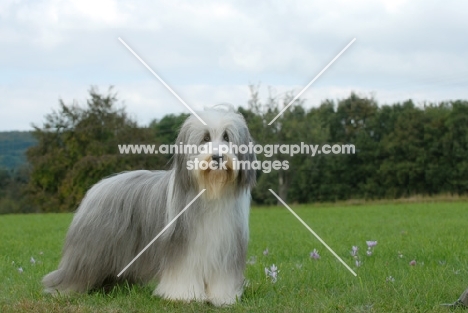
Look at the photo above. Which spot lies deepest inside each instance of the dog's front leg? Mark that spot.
(224, 288)
(181, 283)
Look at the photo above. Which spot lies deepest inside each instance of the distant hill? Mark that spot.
(13, 145)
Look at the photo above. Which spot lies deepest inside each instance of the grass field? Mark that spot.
(435, 235)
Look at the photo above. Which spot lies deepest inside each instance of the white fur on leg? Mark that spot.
(223, 289)
(180, 284)
(179, 288)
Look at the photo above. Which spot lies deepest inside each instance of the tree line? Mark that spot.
(13, 144)
(402, 150)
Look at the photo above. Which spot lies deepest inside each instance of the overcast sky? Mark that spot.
(210, 52)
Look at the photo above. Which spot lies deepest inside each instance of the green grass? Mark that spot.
(433, 234)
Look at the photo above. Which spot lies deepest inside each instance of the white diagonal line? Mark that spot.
(313, 233)
(313, 80)
(162, 82)
(161, 232)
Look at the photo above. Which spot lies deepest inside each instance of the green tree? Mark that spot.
(285, 130)
(166, 130)
(403, 167)
(79, 146)
(455, 148)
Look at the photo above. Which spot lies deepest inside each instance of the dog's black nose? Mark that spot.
(216, 157)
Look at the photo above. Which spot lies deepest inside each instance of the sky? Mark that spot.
(209, 52)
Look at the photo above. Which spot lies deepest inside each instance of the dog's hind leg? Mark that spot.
(70, 277)
(79, 271)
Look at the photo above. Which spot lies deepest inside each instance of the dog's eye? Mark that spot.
(207, 138)
(226, 137)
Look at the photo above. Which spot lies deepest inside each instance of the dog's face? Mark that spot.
(214, 166)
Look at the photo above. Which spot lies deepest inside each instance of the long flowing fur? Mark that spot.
(200, 257)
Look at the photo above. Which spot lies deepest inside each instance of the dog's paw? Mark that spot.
(59, 293)
(224, 290)
(223, 295)
(223, 300)
(180, 293)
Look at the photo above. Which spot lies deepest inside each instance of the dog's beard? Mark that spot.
(215, 181)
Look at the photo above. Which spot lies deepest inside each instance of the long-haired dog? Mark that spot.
(201, 256)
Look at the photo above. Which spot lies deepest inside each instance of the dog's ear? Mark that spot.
(247, 176)
(179, 160)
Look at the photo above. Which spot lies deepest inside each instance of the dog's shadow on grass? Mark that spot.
(125, 289)
(126, 292)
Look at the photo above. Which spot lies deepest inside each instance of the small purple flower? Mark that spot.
(314, 255)
(265, 252)
(354, 251)
(272, 272)
(371, 244)
(358, 263)
(412, 263)
(274, 277)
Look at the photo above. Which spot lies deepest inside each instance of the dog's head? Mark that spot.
(215, 165)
